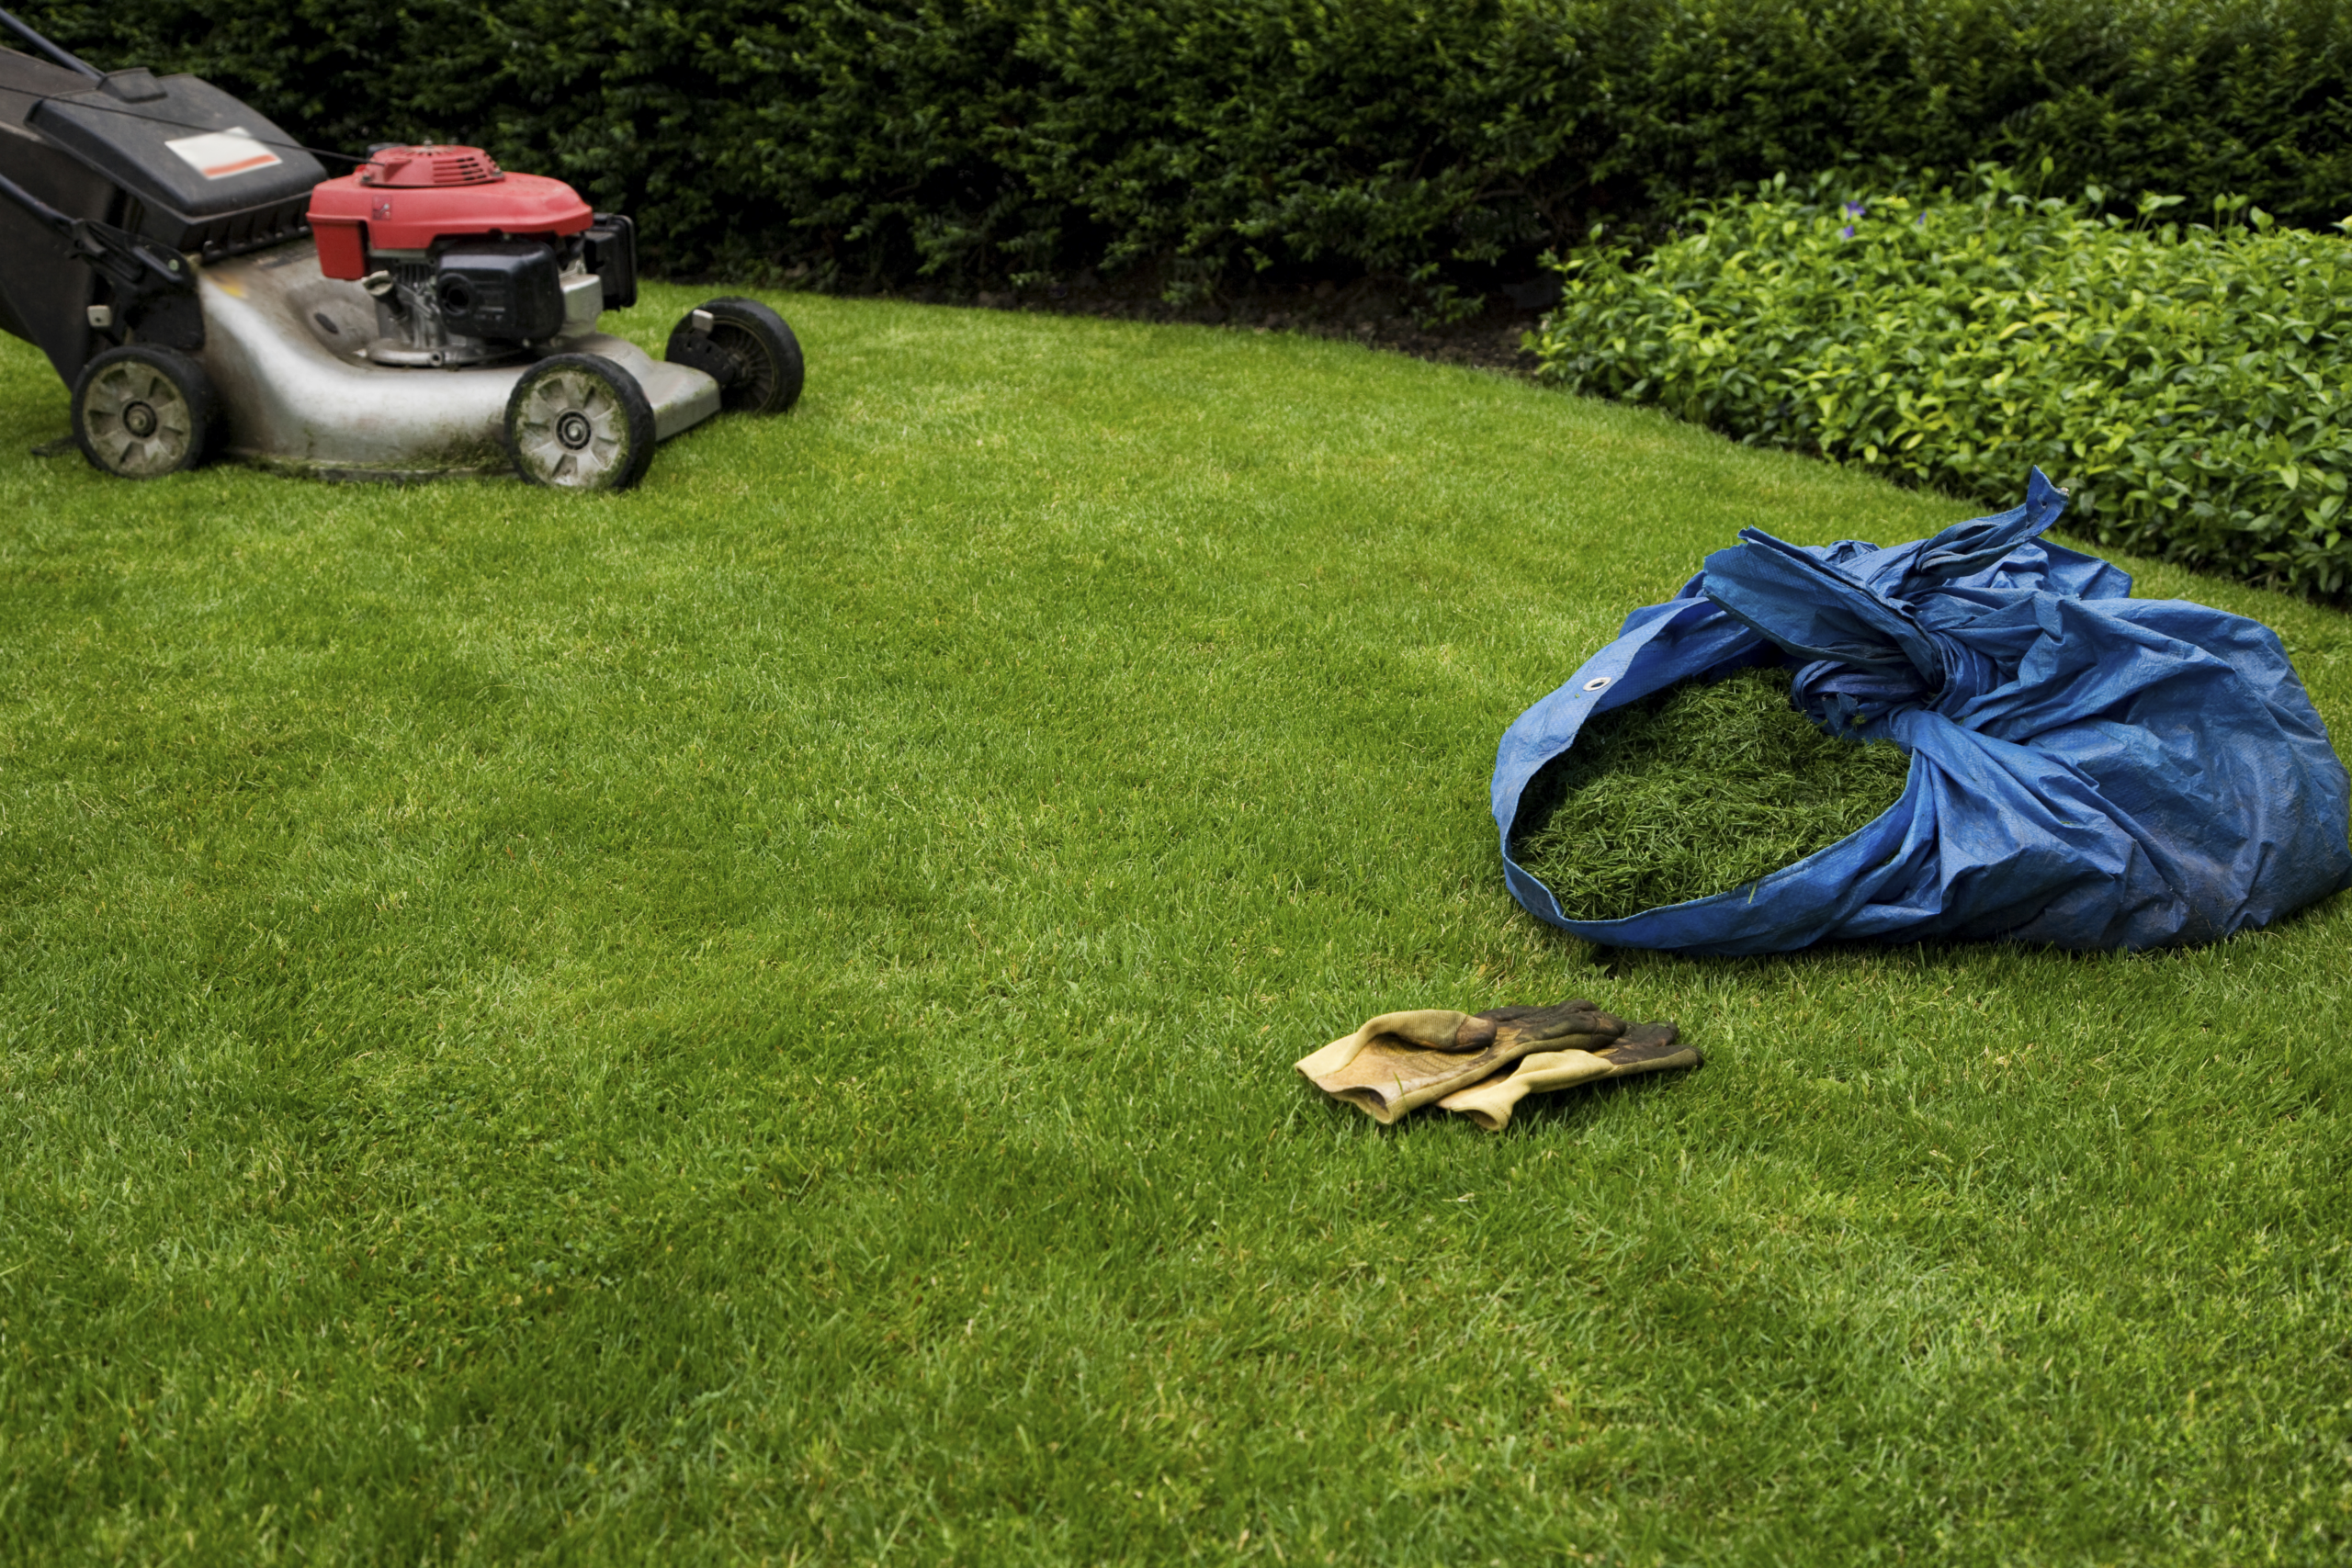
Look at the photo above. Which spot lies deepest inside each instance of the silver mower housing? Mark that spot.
(286, 349)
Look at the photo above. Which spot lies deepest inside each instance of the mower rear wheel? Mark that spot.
(141, 412)
(580, 422)
(748, 349)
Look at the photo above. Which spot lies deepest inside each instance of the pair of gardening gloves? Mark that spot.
(1481, 1064)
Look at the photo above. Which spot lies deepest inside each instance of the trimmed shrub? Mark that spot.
(2187, 381)
(880, 141)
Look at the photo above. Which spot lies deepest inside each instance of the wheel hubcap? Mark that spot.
(571, 431)
(138, 422)
(756, 374)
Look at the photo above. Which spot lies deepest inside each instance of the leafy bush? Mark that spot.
(2187, 381)
(882, 141)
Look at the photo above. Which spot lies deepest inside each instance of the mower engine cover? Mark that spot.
(498, 241)
(405, 198)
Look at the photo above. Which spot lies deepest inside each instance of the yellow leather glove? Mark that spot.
(1645, 1048)
(1401, 1060)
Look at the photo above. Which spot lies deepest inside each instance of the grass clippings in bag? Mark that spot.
(1698, 790)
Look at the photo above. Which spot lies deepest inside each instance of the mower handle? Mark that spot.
(24, 30)
(41, 212)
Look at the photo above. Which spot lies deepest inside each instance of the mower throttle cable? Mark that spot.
(72, 61)
(79, 102)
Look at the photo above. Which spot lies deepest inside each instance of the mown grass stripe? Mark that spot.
(752, 1017)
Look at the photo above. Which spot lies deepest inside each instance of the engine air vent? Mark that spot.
(414, 167)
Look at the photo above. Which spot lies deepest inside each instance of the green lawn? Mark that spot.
(751, 1020)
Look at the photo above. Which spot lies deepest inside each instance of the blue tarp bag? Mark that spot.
(2088, 768)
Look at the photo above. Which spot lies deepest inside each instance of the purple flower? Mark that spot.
(1856, 210)
(1846, 232)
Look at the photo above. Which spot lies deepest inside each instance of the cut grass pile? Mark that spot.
(1695, 791)
(750, 1021)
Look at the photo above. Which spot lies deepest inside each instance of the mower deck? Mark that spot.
(286, 346)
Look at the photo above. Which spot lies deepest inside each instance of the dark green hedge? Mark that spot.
(878, 142)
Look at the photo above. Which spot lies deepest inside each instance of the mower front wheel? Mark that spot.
(141, 412)
(580, 422)
(746, 348)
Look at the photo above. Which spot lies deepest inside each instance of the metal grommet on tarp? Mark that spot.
(1599, 682)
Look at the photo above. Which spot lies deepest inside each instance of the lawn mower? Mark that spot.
(206, 290)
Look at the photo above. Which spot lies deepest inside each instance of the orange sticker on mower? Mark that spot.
(217, 155)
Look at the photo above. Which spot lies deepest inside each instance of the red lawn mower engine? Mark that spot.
(468, 264)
